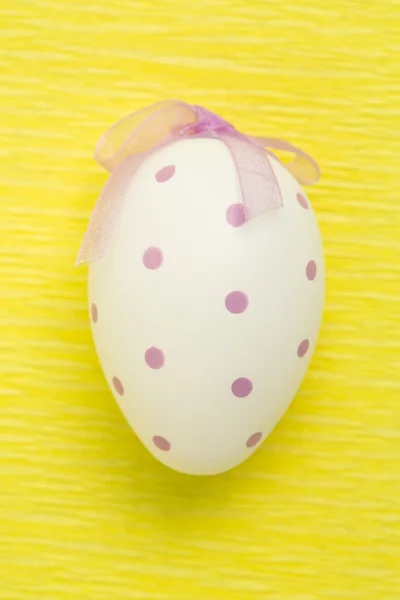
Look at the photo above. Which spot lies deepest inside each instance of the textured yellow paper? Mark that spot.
(85, 512)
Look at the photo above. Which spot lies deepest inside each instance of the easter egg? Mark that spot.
(205, 323)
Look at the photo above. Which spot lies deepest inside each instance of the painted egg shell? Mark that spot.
(204, 325)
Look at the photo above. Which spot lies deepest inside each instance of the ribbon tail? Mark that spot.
(101, 225)
(260, 188)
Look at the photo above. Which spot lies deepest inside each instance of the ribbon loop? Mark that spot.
(142, 131)
(303, 167)
(122, 149)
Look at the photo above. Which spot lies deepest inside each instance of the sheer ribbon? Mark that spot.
(124, 147)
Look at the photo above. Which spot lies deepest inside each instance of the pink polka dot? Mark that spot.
(235, 215)
(236, 302)
(254, 439)
(94, 312)
(241, 387)
(119, 388)
(165, 173)
(153, 258)
(302, 201)
(311, 270)
(302, 349)
(154, 358)
(161, 443)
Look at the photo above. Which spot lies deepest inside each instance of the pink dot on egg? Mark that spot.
(303, 347)
(302, 201)
(161, 443)
(165, 173)
(94, 312)
(242, 387)
(154, 358)
(119, 388)
(311, 270)
(152, 258)
(254, 439)
(236, 302)
(235, 215)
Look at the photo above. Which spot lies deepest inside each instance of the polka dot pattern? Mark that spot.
(154, 358)
(161, 443)
(94, 313)
(242, 387)
(302, 201)
(254, 439)
(153, 258)
(236, 302)
(311, 270)
(165, 173)
(119, 388)
(303, 348)
(235, 215)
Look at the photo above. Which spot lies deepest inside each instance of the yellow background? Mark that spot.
(85, 511)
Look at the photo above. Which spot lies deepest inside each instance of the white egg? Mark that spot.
(204, 328)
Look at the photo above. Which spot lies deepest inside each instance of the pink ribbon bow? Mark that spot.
(124, 147)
